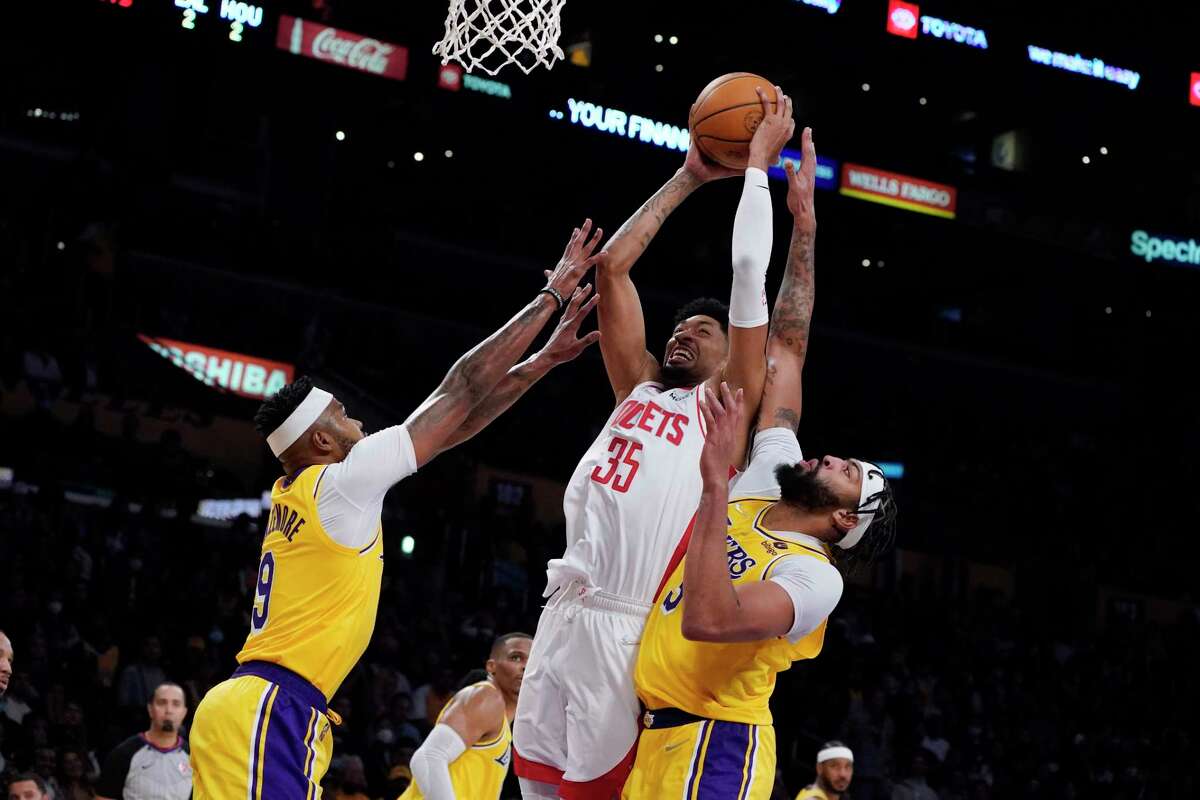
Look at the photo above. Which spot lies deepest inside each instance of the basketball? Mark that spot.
(726, 114)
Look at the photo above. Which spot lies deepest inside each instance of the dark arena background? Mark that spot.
(192, 214)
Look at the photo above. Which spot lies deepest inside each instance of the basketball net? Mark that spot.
(490, 34)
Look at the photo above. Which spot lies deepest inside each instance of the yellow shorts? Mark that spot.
(706, 760)
(263, 733)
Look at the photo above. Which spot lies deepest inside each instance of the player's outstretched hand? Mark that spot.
(564, 343)
(800, 186)
(703, 169)
(773, 132)
(579, 256)
(723, 422)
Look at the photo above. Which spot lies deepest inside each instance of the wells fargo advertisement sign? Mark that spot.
(901, 191)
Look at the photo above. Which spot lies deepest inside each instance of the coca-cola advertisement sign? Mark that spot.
(348, 49)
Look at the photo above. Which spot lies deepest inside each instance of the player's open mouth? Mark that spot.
(681, 353)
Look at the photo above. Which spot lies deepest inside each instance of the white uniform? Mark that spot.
(628, 506)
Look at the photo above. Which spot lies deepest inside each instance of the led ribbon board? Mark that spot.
(248, 376)
(346, 49)
(1160, 248)
(1081, 65)
(901, 191)
(616, 122)
(826, 172)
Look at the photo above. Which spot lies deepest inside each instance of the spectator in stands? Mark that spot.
(141, 677)
(27, 787)
(153, 765)
(45, 765)
(72, 778)
(914, 787)
(429, 700)
(6, 662)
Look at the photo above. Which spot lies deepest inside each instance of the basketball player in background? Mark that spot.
(835, 770)
(629, 501)
(758, 582)
(265, 731)
(466, 755)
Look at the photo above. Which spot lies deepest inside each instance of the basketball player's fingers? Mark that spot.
(547, 273)
(584, 343)
(705, 410)
(577, 298)
(790, 107)
(715, 408)
(766, 104)
(593, 242)
(597, 259)
(726, 396)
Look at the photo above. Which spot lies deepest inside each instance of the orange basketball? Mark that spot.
(726, 114)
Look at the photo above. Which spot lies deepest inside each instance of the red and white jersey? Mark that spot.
(633, 495)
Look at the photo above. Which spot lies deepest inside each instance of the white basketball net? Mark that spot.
(489, 34)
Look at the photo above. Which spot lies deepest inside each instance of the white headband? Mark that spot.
(834, 752)
(308, 412)
(872, 484)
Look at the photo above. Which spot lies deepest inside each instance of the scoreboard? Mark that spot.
(231, 20)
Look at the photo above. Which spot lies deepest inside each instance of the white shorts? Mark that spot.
(577, 714)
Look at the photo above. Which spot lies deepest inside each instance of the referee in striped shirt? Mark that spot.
(152, 765)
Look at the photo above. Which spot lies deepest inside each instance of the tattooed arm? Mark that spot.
(433, 426)
(622, 326)
(787, 343)
(562, 347)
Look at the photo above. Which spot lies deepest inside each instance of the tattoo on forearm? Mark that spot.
(660, 206)
(477, 372)
(507, 392)
(793, 308)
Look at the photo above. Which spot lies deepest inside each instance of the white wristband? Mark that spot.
(752, 239)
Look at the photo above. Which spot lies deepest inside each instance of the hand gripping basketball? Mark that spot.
(773, 132)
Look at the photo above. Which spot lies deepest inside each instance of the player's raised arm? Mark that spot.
(435, 422)
(787, 344)
(746, 367)
(474, 715)
(714, 609)
(564, 345)
(622, 324)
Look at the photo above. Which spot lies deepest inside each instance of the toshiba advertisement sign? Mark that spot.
(248, 376)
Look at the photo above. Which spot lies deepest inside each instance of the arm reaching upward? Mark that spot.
(746, 367)
(434, 424)
(562, 347)
(622, 325)
(787, 345)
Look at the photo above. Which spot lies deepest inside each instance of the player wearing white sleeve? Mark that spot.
(630, 499)
(759, 578)
(264, 732)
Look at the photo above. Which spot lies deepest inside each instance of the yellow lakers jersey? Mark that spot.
(813, 792)
(479, 772)
(725, 681)
(315, 603)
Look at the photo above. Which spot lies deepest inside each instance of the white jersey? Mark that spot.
(632, 497)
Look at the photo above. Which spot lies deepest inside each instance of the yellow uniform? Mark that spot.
(813, 792)
(264, 733)
(480, 771)
(708, 720)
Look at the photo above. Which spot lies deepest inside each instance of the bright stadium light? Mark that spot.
(407, 545)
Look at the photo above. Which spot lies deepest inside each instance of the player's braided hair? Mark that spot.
(708, 306)
(279, 406)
